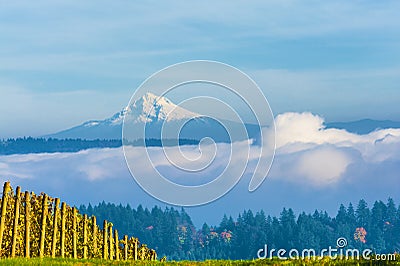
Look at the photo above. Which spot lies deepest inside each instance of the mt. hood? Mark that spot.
(153, 111)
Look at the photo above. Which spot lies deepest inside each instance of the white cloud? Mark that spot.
(308, 152)
(323, 165)
(307, 128)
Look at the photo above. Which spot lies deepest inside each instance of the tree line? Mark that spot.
(27, 145)
(172, 233)
(50, 145)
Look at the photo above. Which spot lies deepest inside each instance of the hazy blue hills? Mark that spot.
(364, 126)
(90, 130)
(202, 127)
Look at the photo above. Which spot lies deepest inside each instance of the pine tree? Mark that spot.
(288, 228)
(362, 214)
(391, 229)
(341, 216)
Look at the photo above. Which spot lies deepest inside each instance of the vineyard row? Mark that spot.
(35, 226)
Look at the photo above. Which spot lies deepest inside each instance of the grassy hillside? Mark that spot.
(325, 261)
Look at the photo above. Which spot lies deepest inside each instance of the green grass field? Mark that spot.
(325, 261)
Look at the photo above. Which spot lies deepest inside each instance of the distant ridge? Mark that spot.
(364, 126)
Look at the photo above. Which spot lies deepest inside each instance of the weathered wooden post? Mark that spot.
(63, 217)
(27, 223)
(105, 246)
(142, 252)
(110, 239)
(55, 227)
(6, 189)
(94, 236)
(136, 248)
(125, 247)
(85, 236)
(15, 224)
(43, 226)
(75, 255)
(116, 242)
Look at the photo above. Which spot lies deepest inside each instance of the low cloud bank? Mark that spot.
(308, 158)
(319, 156)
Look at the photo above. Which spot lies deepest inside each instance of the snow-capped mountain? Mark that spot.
(153, 111)
(152, 108)
(147, 109)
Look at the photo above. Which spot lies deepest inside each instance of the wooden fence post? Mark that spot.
(142, 252)
(74, 233)
(85, 236)
(116, 242)
(110, 239)
(16, 220)
(94, 236)
(125, 247)
(27, 223)
(111, 243)
(63, 217)
(105, 246)
(6, 189)
(136, 249)
(55, 227)
(43, 226)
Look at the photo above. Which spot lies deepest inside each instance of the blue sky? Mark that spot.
(65, 62)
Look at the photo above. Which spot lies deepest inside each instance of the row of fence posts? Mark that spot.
(110, 245)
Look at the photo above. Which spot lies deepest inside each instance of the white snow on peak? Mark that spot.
(152, 108)
(91, 123)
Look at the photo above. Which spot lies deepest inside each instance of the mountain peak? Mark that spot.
(151, 98)
(151, 108)
(151, 101)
